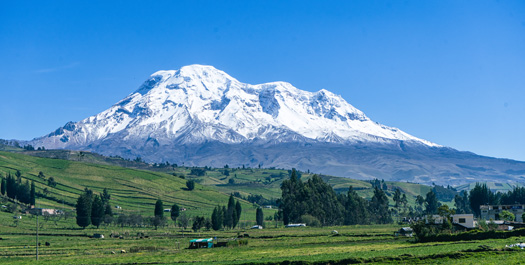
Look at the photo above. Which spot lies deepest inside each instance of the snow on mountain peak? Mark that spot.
(201, 103)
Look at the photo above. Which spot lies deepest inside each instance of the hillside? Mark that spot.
(246, 180)
(134, 190)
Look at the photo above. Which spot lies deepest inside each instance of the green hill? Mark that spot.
(135, 185)
(134, 190)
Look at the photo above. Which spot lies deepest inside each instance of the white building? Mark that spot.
(493, 211)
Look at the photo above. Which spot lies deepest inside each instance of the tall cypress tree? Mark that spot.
(10, 186)
(23, 192)
(175, 212)
(238, 210)
(108, 210)
(97, 211)
(216, 222)
(84, 202)
(259, 216)
(3, 188)
(159, 208)
(222, 216)
(32, 195)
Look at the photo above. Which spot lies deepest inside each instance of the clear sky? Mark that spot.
(451, 72)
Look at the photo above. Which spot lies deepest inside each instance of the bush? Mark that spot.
(471, 235)
(190, 184)
(310, 220)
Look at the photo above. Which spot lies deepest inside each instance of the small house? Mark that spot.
(465, 220)
(43, 211)
(201, 243)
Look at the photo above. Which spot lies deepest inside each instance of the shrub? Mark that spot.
(310, 220)
(190, 184)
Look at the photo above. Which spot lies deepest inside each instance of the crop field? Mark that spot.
(353, 244)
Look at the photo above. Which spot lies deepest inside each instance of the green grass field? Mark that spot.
(364, 244)
(134, 190)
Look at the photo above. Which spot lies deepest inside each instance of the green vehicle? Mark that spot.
(201, 243)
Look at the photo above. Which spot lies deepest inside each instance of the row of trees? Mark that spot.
(226, 217)
(14, 188)
(315, 202)
(93, 209)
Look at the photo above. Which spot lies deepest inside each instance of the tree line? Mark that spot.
(13, 187)
(93, 209)
(316, 203)
(226, 217)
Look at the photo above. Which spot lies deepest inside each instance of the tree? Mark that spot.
(97, 211)
(397, 197)
(238, 210)
(431, 203)
(356, 209)
(183, 221)
(3, 186)
(158, 220)
(11, 186)
(190, 184)
(23, 192)
(159, 208)
(230, 219)
(216, 223)
(108, 210)
(462, 203)
(108, 214)
(404, 201)
(51, 182)
(32, 194)
(198, 223)
(480, 195)
(506, 215)
(445, 211)
(224, 218)
(259, 216)
(84, 202)
(175, 212)
(105, 197)
(379, 207)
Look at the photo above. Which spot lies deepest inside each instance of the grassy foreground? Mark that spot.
(354, 244)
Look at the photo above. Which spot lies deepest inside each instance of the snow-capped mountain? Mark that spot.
(199, 115)
(200, 103)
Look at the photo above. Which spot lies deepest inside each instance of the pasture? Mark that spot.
(307, 245)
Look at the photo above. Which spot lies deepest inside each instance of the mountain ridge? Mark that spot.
(218, 107)
(202, 116)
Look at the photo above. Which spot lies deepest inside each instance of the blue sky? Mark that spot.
(452, 72)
